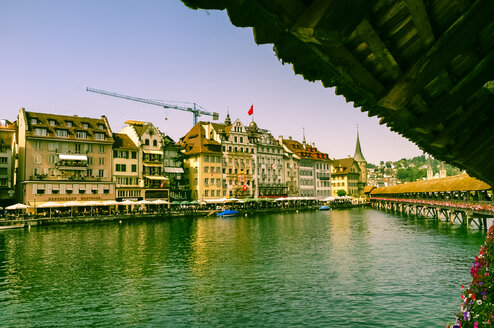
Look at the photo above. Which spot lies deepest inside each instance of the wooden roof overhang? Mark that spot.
(421, 66)
(461, 182)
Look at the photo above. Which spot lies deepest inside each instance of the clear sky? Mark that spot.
(50, 51)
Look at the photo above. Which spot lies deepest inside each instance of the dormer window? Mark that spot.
(101, 126)
(85, 125)
(155, 143)
(40, 132)
(61, 133)
(146, 142)
(69, 124)
(81, 134)
(34, 121)
(99, 136)
(52, 122)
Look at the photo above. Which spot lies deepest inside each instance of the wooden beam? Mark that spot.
(458, 38)
(421, 21)
(367, 33)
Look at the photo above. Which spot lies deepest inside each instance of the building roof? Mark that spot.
(123, 141)
(368, 189)
(195, 142)
(61, 123)
(305, 151)
(343, 166)
(422, 67)
(358, 151)
(460, 182)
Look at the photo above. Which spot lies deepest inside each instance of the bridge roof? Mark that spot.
(461, 182)
(421, 66)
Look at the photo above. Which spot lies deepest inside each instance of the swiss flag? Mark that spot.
(251, 110)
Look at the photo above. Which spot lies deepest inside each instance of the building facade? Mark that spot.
(173, 165)
(314, 171)
(7, 144)
(63, 158)
(269, 175)
(203, 162)
(149, 141)
(126, 168)
(346, 175)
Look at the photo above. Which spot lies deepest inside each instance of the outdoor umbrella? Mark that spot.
(49, 205)
(18, 206)
(71, 204)
(92, 203)
(127, 202)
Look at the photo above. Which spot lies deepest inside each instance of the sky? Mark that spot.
(50, 51)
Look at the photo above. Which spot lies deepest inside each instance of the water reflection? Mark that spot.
(341, 268)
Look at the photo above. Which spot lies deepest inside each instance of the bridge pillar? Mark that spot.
(468, 219)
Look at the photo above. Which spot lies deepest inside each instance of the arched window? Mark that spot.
(146, 142)
(155, 143)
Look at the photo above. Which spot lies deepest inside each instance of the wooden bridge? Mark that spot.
(461, 199)
(424, 67)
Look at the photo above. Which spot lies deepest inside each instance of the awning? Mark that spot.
(153, 177)
(152, 164)
(73, 157)
(174, 170)
(149, 151)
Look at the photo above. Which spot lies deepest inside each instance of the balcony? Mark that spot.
(72, 162)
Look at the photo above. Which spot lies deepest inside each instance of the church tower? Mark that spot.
(442, 171)
(362, 163)
(430, 172)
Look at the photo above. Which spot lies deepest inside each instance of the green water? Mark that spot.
(348, 268)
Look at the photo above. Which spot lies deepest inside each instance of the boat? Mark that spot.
(13, 226)
(324, 208)
(227, 213)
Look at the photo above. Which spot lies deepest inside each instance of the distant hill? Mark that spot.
(408, 170)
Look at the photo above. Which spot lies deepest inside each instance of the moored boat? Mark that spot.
(13, 226)
(324, 208)
(227, 213)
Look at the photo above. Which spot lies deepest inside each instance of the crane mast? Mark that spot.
(194, 110)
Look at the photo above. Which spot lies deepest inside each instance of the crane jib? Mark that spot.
(195, 112)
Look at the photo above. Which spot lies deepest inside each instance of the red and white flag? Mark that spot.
(251, 110)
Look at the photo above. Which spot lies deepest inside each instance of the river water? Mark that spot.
(343, 268)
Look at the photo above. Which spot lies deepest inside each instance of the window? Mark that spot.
(101, 148)
(52, 122)
(61, 133)
(34, 121)
(89, 160)
(3, 159)
(155, 143)
(99, 136)
(40, 132)
(89, 172)
(37, 158)
(101, 161)
(134, 167)
(52, 159)
(69, 124)
(101, 126)
(121, 167)
(134, 155)
(81, 134)
(206, 193)
(85, 125)
(89, 148)
(78, 148)
(146, 142)
(101, 173)
(206, 181)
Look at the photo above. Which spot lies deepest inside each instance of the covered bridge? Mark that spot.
(422, 66)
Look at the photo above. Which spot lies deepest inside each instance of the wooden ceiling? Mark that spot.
(422, 66)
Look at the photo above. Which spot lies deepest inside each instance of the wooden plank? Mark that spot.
(459, 37)
(367, 33)
(421, 21)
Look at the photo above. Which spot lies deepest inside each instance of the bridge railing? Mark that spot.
(478, 206)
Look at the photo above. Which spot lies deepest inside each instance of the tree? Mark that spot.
(341, 193)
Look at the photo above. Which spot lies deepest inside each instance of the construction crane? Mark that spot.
(196, 112)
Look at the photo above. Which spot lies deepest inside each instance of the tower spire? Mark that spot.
(303, 134)
(358, 150)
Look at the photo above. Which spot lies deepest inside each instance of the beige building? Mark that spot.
(346, 175)
(63, 158)
(126, 168)
(203, 162)
(7, 138)
(149, 141)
